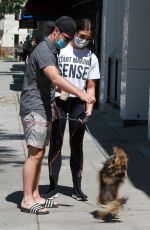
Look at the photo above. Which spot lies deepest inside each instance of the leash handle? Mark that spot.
(83, 118)
(86, 119)
(82, 121)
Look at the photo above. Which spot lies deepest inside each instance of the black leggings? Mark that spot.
(75, 108)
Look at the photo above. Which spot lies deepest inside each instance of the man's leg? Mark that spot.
(36, 193)
(37, 132)
(31, 172)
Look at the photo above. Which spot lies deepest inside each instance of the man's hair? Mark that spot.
(65, 24)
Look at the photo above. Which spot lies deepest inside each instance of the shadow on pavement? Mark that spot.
(3, 150)
(109, 219)
(15, 197)
(6, 136)
(7, 155)
(17, 71)
(139, 164)
(7, 158)
(18, 67)
(65, 190)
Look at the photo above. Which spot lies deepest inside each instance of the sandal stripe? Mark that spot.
(48, 203)
(35, 208)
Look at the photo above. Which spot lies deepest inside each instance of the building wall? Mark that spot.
(112, 31)
(42, 29)
(136, 61)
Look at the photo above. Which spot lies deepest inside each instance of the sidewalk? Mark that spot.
(107, 131)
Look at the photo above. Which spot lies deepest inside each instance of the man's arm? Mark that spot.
(53, 75)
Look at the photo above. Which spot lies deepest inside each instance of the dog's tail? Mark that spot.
(113, 207)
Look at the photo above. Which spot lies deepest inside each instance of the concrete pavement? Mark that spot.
(107, 131)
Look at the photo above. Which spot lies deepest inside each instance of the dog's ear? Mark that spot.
(119, 151)
(115, 149)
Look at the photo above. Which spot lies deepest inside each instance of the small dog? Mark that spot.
(111, 176)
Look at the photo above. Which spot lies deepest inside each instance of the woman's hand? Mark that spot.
(90, 99)
(88, 112)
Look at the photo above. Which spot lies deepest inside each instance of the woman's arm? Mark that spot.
(91, 91)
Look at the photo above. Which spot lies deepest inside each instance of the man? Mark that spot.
(20, 52)
(27, 47)
(35, 108)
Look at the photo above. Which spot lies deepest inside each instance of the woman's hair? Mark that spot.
(84, 24)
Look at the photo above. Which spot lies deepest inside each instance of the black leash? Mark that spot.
(84, 122)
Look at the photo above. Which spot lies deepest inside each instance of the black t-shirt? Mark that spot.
(38, 91)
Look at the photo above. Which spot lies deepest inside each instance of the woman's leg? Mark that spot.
(76, 145)
(56, 142)
(77, 131)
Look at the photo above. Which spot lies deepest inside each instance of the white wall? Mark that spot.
(136, 61)
(11, 27)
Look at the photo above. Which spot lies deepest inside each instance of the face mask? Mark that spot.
(60, 44)
(80, 43)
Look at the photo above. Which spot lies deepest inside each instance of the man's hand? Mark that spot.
(87, 98)
(53, 75)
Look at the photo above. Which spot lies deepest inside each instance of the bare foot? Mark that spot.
(42, 201)
(39, 200)
(30, 203)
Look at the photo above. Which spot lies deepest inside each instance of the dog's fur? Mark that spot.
(111, 176)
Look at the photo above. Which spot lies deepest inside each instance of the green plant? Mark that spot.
(10, 6)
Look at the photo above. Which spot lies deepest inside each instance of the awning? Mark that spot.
(47, 9)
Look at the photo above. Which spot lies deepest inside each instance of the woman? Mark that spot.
(80, 66)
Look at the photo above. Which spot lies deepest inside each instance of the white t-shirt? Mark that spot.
(78, 66)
